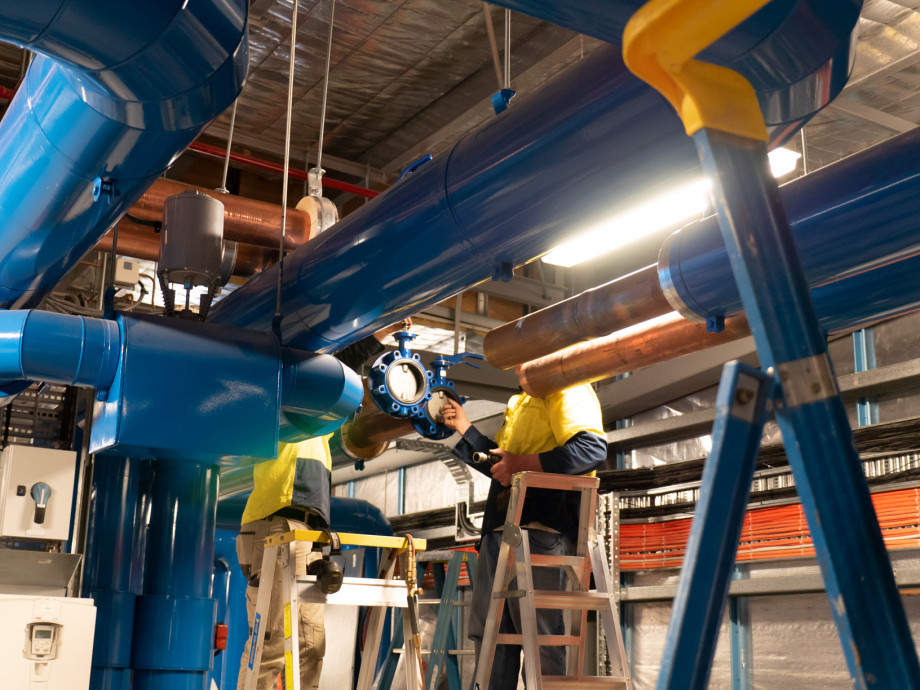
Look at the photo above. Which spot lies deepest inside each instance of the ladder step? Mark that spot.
(571, 601)
(583, 683)
(542, 640)
(549, 560)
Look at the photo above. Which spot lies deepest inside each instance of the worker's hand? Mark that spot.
(454, 416)
(403, 325)
(511, 464)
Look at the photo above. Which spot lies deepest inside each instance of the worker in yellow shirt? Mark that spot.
(561, 433)
(293, 492)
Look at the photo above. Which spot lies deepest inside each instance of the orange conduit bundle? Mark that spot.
(768, 533)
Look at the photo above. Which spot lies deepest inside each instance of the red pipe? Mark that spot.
(6, 93)
(218, 152)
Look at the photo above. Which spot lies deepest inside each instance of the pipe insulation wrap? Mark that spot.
(58, 348)
(114, 94)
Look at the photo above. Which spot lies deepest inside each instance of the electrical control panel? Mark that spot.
(127, 272)
(46, 642)
(36, 492)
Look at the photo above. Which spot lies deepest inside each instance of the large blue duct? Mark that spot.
(590, 142)
(116, 91)
(220, 391)
(847, 220)
(794, 52)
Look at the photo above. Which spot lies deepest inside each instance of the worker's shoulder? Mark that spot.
(582, 393)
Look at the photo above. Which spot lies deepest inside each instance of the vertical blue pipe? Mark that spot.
(350, 489)
(863, 360)
(110, 572)
(235, 615)
(220, 587)
(739, 615)
(174, 618)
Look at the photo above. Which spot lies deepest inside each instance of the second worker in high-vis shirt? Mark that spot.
(561, 433)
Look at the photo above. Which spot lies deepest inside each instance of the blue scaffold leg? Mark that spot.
(704, 578)
(445, 639)
(861, 588)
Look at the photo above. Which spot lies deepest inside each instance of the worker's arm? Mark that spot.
(356, 354)
(582, 453)
(471, 440)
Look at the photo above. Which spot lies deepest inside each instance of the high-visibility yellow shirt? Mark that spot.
(299, 476)
(536, 425)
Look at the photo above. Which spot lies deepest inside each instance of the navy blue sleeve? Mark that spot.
(474, 442)
(356, 354)
(582, 453)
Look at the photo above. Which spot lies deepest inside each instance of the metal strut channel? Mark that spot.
(720, 111)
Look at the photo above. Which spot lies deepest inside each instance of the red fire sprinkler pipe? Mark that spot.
(218, 152)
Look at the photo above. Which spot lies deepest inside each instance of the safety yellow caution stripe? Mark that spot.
(347, 539)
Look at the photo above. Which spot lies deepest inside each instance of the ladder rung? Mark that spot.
(542, 640)
(571, 601)
(548, 559)
(582, 683)
(461, 652)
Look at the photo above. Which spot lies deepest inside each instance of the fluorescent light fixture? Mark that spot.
(664, 211)
(783, 161)
(669, 209)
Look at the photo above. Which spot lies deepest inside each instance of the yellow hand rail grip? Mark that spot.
(660, 43)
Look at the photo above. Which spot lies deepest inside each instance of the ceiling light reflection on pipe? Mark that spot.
(666, 210)
(783, 161)
(670, 209)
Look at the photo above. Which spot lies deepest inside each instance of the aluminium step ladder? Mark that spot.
(516, 561)
(380, 593)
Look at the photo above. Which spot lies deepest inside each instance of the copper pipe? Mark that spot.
(628, 300)
(368, 434)
(642, 345)
(142, 242)
(246, 221)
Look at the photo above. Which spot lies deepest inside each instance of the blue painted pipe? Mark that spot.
(175, 615)
(587, 144)
(235, 616)
(133, 357)
(116, 91)
(795, 53)
(110, 575)
(317, 393)
(57, 348)
(847, 220)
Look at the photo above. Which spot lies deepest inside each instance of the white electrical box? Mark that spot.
(36, 492)
(127, 272)
(46, 642)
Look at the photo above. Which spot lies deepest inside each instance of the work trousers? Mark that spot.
(249, 549)
(507, 664)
